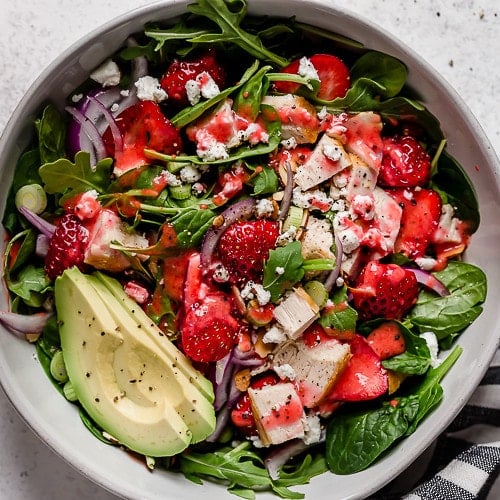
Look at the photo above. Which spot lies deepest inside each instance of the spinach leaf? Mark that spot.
(387, 71)
(450, 178)
(430, 391)
(51, 130)
(340, 317)
(63, 176)
(13, 260)
(30, 284)
(283, 269)
(415, 360)
(451, 313)
(354, 441)
(191, 225)
(264, 181)
(248, 99)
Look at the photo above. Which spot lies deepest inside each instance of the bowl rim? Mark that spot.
(421, 440)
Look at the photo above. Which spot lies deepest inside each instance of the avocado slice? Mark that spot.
(130, 307)
(126, 383)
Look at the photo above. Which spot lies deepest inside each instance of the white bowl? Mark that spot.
(57, 423)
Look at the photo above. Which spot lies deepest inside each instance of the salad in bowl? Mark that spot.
(238, 249)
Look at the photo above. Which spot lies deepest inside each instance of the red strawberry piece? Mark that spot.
(364, 377)
(314, 335)
(419, 220)
(181, 71)
(209, 330)
(387, 340)
(245, 246)
(143, 126)
(67, 246)
(332, 72)
(242, 414)
(384, 291)
(404, 163)
(174, 275)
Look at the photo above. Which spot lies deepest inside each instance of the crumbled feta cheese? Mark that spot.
(432, 343)
(208, 87)
(349, 240)
(193, 91)
(190, 174)
(307, 69)
(76, 97)
(290, 143)
(363, 206)
(168, 177)
(149, 89)
(107, 74)
(311, 199)
(312, 429)
(280, 270)
(340, 281)
(125, 92)
(275, 335)
(256, 441)
(287, 237)
(264, 208)
(323, 113)
(209, 148)
(285, 371)
(253, 290)
(332, 152)
(199, 188)
(426, 263)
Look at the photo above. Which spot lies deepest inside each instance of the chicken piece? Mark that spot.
(327, 159)
(106, 229)
(298, 117)
(296, 313)
(316, 368)
(278, 413)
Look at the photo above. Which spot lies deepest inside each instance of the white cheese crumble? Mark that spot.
(349, 240)
(125, 92)
(190, 174)
(149, 89)
(280, 270)
(287, 237)
(275, 335)
(307, 69)
(332, 152)
(168, 177)
(253, 290)
(426, 263)
(76, 97)
(201, 86)
(107, 74)
(312, 429)
(290, 143)
(264, 208)
(285, 371)
(432, 343)
(193, 92)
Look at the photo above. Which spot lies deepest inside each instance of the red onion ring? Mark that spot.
(115, 131)
(24, 323)
(241, 210)
(45, 228)
(430, 281)
(334, 274)
(42, 245)
(287, 193)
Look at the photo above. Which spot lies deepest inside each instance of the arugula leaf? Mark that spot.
(354, 441)
(283, 269)
(30, 285)
(228, 15)
(51, 131)
(452, 313)
(63, 176)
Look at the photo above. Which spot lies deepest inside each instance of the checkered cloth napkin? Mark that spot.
(466, 456)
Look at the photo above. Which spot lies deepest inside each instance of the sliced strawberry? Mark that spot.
(142, 125)
(419, 220)
(387, 340)
(181, 71)
(194, 287)
(245, 246)
(364, 378)
(242, 414)
(209, 330)
(384, 291)
(67, 246)
(314, 335)
(332, 72)
(405, 163)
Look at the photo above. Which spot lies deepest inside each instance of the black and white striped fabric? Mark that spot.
(466, 455)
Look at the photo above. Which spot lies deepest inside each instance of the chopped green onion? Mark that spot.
(182, 192)
(317, 291)
(69, 391)
(33, 197)
(58, 368)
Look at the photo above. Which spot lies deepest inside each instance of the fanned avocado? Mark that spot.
(132, 387)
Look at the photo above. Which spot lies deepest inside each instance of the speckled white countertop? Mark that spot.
(460, 39)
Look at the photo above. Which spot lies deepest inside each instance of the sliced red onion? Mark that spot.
(90, 130)
(46, 228)
(115, 131)
(430, 281)
(287, 193)
(241, 210)
(24, 323)
(42, 245)
(221, 421)
(334, 274)
(223, 377)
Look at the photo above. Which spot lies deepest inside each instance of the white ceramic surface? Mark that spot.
(57, 423)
